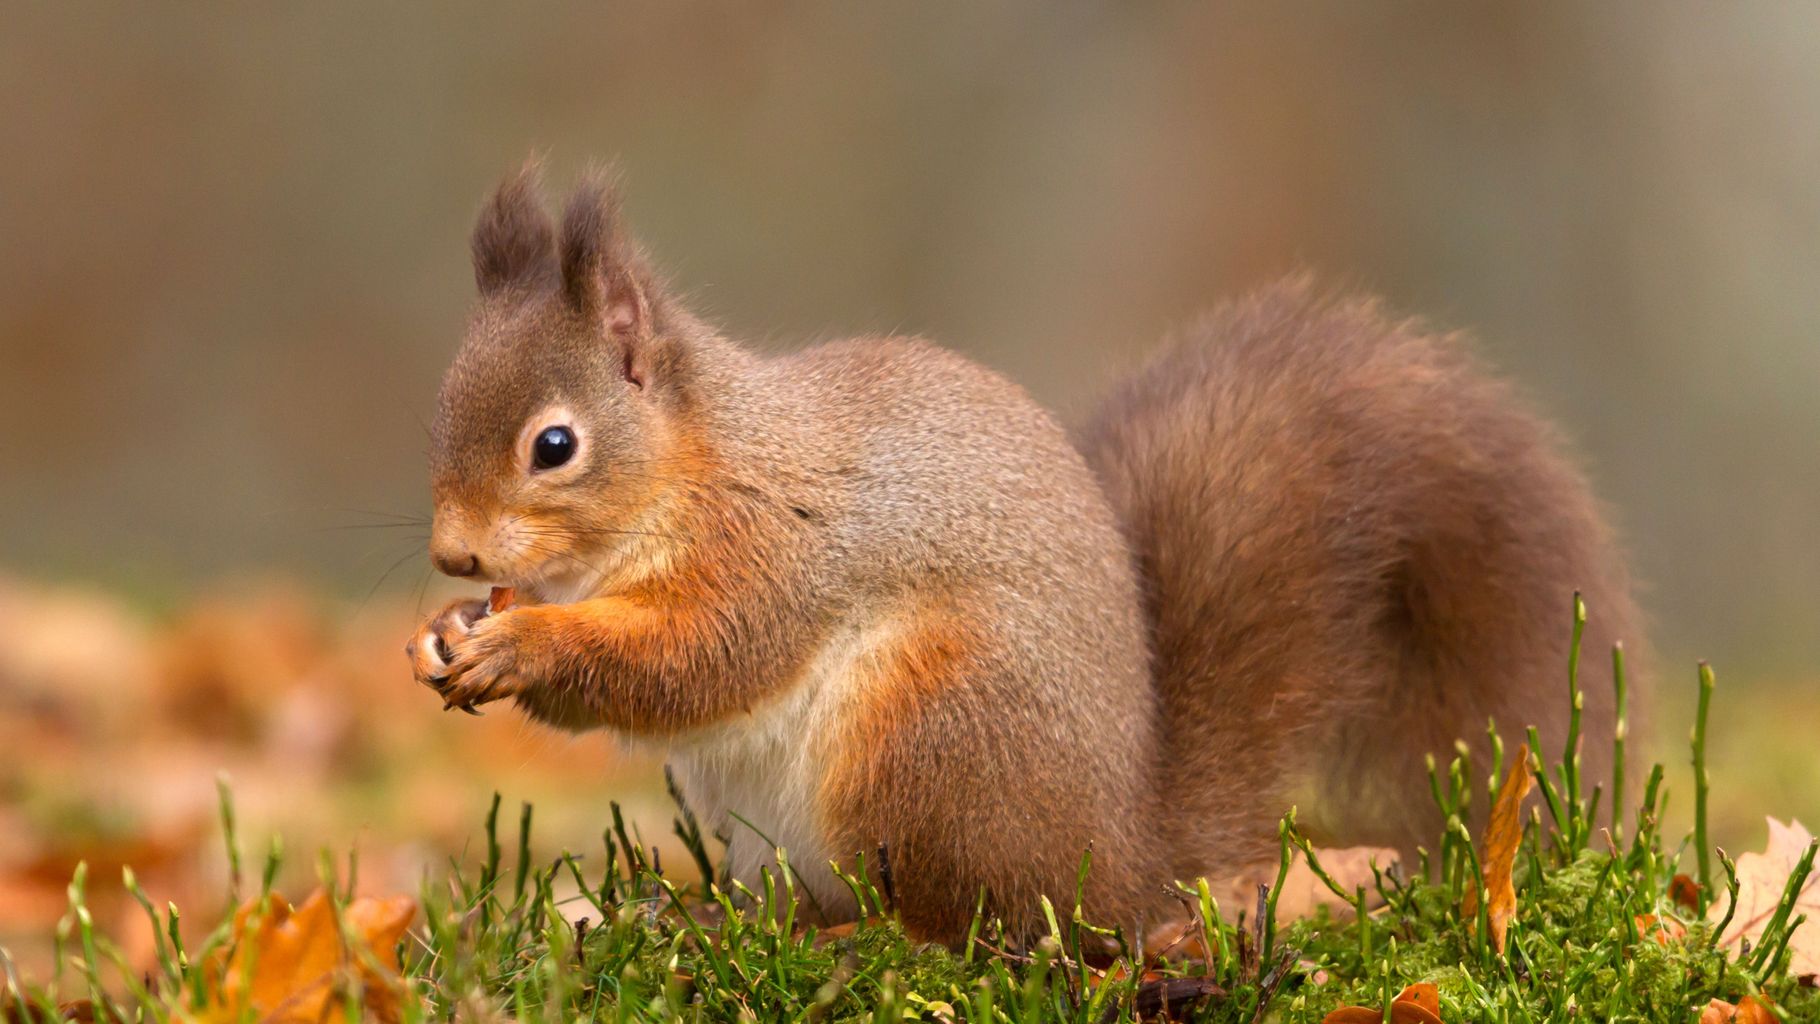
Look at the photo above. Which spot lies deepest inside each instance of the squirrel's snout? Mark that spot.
(457, 562)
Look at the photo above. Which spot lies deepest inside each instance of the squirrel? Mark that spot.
(870, 596)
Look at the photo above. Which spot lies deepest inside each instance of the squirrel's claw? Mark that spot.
(486, 665)
(431, 649)
(482, 683)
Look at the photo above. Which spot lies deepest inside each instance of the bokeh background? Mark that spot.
(233, 263)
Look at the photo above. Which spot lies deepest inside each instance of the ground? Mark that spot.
(119, 724)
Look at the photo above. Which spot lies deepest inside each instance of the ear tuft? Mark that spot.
(604, 274)
(513, 241)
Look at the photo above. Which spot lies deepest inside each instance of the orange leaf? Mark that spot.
(1417, 1004)
(1423, 994)
(1762, 877)
(1664, 932)
(295, 967)
(1683, 891)
(1750, 1011)
(1119, 972)
(499, 599)
(1498, 855)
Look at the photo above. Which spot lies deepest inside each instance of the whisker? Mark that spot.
(368, 526)
(377, 513)
(570, 558)
(416, 549)
(423, 587)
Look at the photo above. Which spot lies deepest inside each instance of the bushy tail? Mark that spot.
(1357, 548)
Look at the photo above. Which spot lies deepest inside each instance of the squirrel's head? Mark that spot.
(558, 412)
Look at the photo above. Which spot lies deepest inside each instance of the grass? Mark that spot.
(608, 935)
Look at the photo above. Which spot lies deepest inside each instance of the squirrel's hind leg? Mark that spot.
(958, 791)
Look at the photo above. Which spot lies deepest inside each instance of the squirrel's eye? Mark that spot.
(553, 447)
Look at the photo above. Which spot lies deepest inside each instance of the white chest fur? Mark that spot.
(760, 773)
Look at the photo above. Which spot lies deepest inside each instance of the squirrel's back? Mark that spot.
(1355, 548)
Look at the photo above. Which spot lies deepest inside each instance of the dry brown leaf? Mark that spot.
(1350, 866)
(1498, 852)
(1172, 998)
(80, 1011)
(1750, 1011)
(1418, 1004)
(1302, 892)
(844, 930)
(293, 699)
(1173, 942)
(1761, 879)
(298, 959)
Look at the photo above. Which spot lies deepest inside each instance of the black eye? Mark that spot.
(553, 447)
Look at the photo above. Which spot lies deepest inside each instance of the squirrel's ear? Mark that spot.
(604, 273)
(513, 240)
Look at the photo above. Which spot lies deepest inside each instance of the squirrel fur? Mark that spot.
(871, 595)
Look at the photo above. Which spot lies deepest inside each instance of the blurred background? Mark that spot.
(233, 264)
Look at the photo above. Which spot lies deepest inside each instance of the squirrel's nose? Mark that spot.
(458, 563)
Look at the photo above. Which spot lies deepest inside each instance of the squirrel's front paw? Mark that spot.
(492, 661)
(432, 647)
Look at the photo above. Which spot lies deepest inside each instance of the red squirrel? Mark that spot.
(870, 594)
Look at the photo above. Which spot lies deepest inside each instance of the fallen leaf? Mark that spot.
(1171, 997)
(292, 969)
(1762, 877)
(1180, 939)
(1303, 892)
(1498, 852)
(1176, 942)
(296, 701)
(499, 599)
(1664, 932)
(1683, 891)
(1750, 1011)
(1423, 994)
(1350, 867)
(81, 1011)
(1417, 1004)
